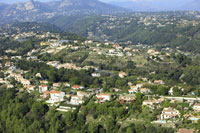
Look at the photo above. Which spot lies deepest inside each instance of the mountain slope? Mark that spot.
(38, 11)
(160, 28)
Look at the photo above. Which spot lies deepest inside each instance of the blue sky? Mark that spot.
(13, 1)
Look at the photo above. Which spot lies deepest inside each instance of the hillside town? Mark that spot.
(173, 103)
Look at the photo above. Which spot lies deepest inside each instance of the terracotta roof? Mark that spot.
(101, 95)
(76, 86)
(55, 92)
(43, 85)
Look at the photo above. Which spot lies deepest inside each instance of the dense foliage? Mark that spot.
(20, 112)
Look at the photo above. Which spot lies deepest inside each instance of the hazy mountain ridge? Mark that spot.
(38, 11)
(159, 5)
(161, 28)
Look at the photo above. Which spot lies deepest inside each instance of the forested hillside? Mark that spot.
(174, 29)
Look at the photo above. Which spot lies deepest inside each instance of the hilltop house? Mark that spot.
(139, 85)
(160, 82)
(38, 75)
(43, 88)
(196, 107)
(134, 89)
(56, 96)
(122, 74)
(77, 87)
(126, 98)
(145, 90)
(67, 84)
(76, 100)
(56, 85)
(30, 88)
(45, 94)
(103, 97)
(170, 113)
(96, 75)
(82, 94)
(25, 82)
(153, 104)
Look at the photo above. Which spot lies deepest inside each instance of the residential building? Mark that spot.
(160, 82)
(139, 85)
(126, 98)
(122, 74)
(25, 82)
(76, 100)
(196, 107)
(96, 75)
(77, 87)
(103, 97)
(38, 75)
(46, 94)
(30, 88)
(170, 113)
(145, 90)
(132, 91)
(67, 84)
(57, 85)
(43, 88)
(56, 96)
(82, 94)
(153, 104)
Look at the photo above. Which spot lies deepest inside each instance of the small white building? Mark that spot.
(96, 74)
(153, 104)
(76, 100)
(145, 90)
(196, 107)
(30, 88)
(82, 94)
(43, 88)
(25, 82)
(170, 113)
(134, 89)
(126, 98)
(77, 87)
(56, 96)
(103, 97)
(122, 74)
(160, 82)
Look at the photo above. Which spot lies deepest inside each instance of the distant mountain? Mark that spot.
(194, 5)
(3, 6)
(38, 11)
(134, 5)
(155, 5)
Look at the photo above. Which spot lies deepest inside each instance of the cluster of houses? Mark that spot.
(171, 113)
(138, 88)
(69, 66)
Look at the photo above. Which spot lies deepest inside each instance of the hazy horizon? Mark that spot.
(106, 1)
(141, 5)
(14, 1)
